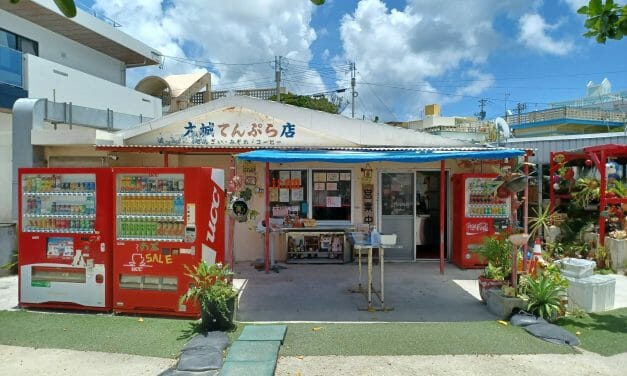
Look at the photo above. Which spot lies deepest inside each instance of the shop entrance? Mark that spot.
(427, 220)
(397, 212)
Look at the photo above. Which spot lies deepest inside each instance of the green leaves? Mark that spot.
(317, 2)
(544, 296)
(67, 7)
(605, 20)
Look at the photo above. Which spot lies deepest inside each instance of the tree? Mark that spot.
(318, 2)
(320, 104)
(67, 7)
(604, 19)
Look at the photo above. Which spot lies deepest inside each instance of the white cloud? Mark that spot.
(243, 31)
(426, 41)
(534, 35)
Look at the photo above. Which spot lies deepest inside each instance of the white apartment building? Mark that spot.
(74, 72)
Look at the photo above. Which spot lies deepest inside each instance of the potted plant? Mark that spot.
(497, 251)
(211, 287)
(586, 192)
(545, 293)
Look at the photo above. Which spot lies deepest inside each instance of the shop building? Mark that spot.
(353, 172)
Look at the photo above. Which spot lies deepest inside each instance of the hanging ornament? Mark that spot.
(556, 186)
(588, 162)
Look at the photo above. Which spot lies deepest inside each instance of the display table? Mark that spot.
(370, 289)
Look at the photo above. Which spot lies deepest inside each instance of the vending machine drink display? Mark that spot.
(64, 238)
(483, 213)
(165, 218)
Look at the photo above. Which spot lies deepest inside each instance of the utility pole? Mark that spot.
(354, 94)
(482, 104)
(520, 107)
(277, 76)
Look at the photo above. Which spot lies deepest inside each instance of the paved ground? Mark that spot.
(318, 293)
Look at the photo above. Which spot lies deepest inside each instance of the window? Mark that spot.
(288, 193)
(17, 42)
(331, 199)
(328, 195)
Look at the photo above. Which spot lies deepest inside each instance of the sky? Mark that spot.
(407, 53)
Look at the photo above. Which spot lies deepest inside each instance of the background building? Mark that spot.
(74, 70)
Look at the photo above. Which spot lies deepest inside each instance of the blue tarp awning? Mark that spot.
(364, 156)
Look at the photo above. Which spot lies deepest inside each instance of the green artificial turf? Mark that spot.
(483, 337)
(603, 333)
(157, 337)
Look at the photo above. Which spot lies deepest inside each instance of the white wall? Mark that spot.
(46, 79)
(5, 168)
(62, 50)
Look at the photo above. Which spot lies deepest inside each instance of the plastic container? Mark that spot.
(576, 268)
(592, 294)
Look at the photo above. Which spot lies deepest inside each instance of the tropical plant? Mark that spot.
(602, 257)
(540, 224)
(617, 189)
(211, 287)
(543, 296)
(586, 191)
(604, 19)
(497, 250)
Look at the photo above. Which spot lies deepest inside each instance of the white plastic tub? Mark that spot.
(592, 294)
(576, 268)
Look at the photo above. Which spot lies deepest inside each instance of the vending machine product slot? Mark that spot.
(45, 274)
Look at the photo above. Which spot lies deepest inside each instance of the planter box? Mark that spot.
(501, 305)
(618, 251)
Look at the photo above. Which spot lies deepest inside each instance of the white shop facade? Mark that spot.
(294, 163)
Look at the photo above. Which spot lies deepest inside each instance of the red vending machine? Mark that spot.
(165, 218)
(482, 214)
(64, 238)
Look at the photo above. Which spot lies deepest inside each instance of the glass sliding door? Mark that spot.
(397, 212)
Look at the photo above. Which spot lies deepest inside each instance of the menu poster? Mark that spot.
(319, 176)
(331, 186)
(345, 176)
(297, 194)
(334, 202)
(284, 195)
(274, 194)
(333, 176)
(319, 186)
(284, 175)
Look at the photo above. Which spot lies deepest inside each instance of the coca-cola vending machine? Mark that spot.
(483, 214)
(165, 218)
(64, 238)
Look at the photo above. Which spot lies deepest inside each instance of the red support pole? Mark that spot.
(166, 161)
(442, 212)
(601, 166)
(267, 235)
(526, 210)
(230, 245)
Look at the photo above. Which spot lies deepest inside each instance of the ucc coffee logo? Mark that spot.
(213, 215)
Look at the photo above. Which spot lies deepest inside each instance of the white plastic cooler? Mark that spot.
(592, 294)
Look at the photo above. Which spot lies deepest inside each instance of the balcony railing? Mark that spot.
(565, 113)
(11, 67)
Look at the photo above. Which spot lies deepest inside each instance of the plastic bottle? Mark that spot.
(375, 237)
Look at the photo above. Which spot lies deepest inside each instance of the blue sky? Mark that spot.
(408, 53)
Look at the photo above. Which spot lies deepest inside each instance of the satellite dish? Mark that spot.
(502, 127)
